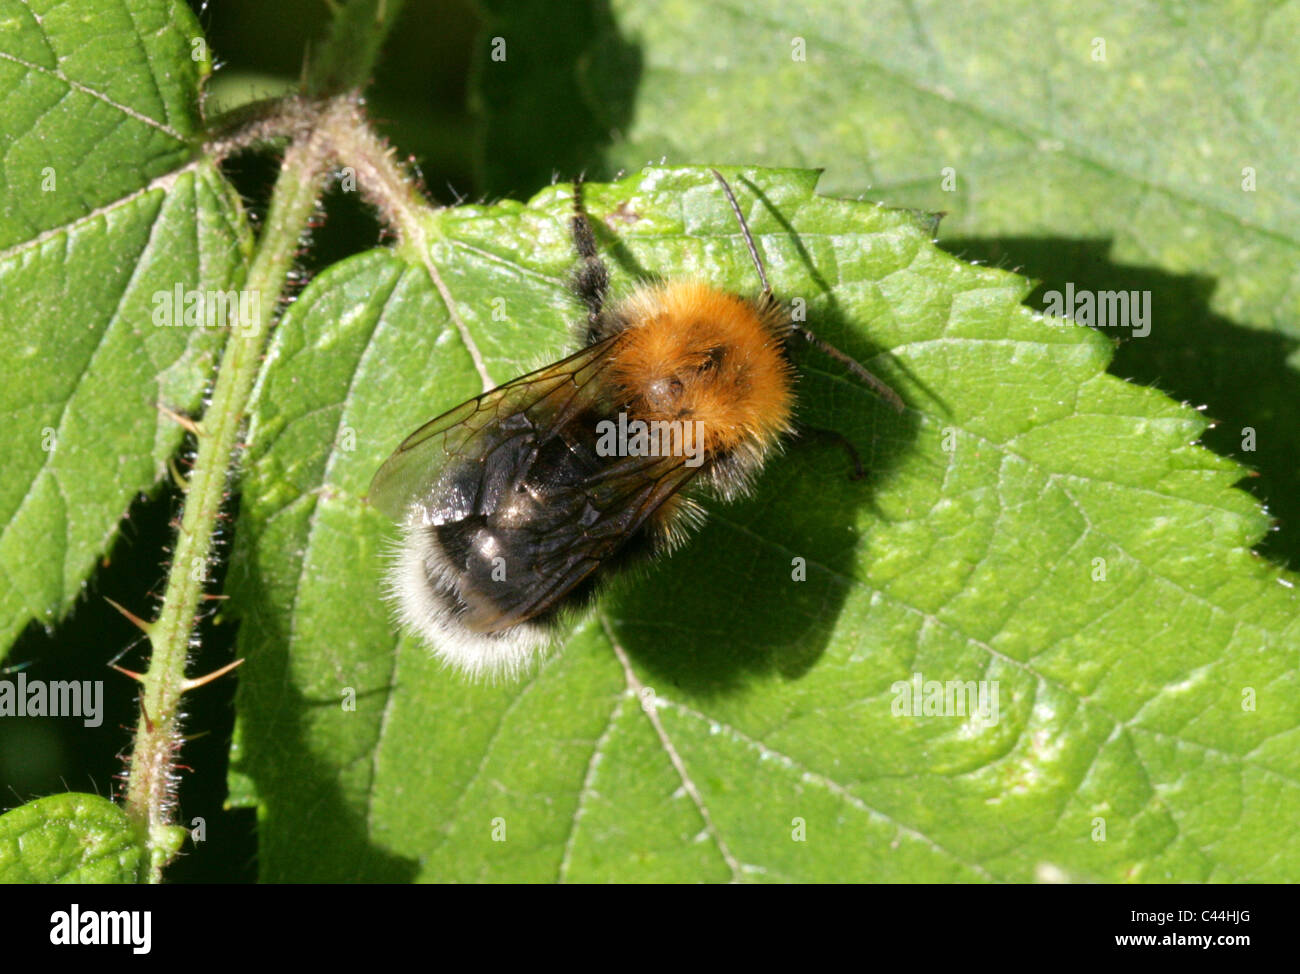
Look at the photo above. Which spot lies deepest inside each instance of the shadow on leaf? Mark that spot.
(759, 591)
(1241, 375)
(309, 830)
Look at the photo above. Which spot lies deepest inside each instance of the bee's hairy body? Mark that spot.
(512, 513)
(498, 526)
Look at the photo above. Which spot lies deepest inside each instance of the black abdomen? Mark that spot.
(533, 526)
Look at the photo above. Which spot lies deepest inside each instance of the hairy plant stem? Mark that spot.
(151, 782)
(322, 126)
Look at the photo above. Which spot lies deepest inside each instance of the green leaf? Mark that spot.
(1030, 521)
(1146, 148)
(106, 209)
(70, 838)
(105, 97)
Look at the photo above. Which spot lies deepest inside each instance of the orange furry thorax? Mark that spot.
(694, 353)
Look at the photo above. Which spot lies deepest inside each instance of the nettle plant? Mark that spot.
(1033, 643)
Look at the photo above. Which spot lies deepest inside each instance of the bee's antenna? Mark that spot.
(882, 390)
(744, 230)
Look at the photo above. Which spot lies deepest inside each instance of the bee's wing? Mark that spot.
(517, 462)
(471, 429)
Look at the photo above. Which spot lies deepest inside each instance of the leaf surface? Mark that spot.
(1030, 521)
(107, 219)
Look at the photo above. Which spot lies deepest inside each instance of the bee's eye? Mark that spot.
(713, 358)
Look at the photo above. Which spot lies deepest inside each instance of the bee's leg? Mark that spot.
(808, 432)
(880, 389)
(591, 279)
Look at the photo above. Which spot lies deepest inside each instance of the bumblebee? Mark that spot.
(515, 506)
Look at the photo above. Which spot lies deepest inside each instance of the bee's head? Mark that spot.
(696, 353)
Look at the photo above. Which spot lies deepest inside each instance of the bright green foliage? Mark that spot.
(1030, 520)
(103, 212)
(1146, 147)
(70, 838)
